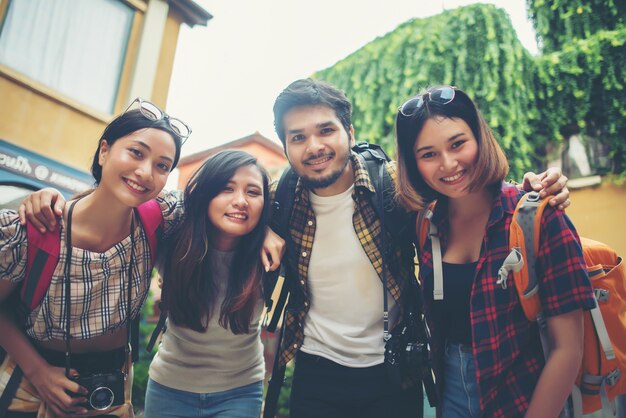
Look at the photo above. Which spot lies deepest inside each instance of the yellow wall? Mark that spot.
(38, 122)
(40, 119)
(598, 213)
(166, 59)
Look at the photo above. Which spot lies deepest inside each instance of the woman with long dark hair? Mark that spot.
(74, 341)
(210, 361)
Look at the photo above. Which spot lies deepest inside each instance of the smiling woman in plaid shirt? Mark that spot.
(105, 260)
(489, 361)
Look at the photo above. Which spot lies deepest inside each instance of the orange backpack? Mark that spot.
(602, 374)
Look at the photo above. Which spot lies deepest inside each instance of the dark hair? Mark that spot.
(310, 92)
(190, 290)
(491, 166)
(125, 124)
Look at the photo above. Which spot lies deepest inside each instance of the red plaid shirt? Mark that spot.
(506, 346)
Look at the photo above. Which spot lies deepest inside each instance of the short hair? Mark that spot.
(491, 166)
(310, 92)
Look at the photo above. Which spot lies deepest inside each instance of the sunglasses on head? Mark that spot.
(440, 95)
(151, 111)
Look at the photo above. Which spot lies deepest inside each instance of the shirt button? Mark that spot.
(302, 281)
(295, 346)
(306, 303)
(361, 192)
(309, 223)
(304, 253)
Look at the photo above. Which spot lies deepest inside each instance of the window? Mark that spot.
(76, 47)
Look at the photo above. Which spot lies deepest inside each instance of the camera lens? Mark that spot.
(101, 398)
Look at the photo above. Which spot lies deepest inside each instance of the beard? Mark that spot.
(322, 182)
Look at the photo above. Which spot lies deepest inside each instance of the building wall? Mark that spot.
(42, 120)
(598, 213)
(272, 161)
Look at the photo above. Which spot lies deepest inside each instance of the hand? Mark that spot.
(550, 182)
(272, 251)
(54, 388)
(42, 208)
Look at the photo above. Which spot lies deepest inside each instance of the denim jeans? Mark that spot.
(460, 390)
(241, 402)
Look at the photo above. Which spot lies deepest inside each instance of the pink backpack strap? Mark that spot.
(42, 257)
(152, 221)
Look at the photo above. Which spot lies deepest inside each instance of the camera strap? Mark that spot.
(383, 252)
(68, 248)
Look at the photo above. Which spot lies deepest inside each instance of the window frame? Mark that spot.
(139, 7)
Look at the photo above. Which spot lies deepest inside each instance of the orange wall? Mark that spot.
(598, 213)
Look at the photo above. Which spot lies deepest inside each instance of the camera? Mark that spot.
(404, 359)
(105, 390)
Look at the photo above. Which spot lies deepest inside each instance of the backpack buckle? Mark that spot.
(613, 377)
(602, 295)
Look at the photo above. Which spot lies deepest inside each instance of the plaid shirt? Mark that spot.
(400, 271)
(98, 280)
(506, 346)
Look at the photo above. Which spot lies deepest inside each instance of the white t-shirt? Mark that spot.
(345, 319)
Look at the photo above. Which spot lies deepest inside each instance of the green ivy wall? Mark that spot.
(526, 100)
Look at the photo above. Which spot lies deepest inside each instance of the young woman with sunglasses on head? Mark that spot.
(210, 361)
(488, 357)
(80, 327)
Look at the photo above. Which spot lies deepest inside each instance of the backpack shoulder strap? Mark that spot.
(396, 219)
(283, 202)
(281, 214)
(422, 223)
(152, 220)
(42, 257)
(524, 233)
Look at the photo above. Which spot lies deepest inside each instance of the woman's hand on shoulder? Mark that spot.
(42, 208)
(551, 182)
(272, 251)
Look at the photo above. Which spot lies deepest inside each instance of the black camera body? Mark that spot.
(405, 359)
(105, 390)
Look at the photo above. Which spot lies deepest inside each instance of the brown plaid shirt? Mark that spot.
(400, 268)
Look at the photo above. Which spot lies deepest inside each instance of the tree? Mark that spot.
(578, 85)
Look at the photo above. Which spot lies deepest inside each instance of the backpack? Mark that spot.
(601, 376)
(394, 220)
(42, 256)
(44, 249)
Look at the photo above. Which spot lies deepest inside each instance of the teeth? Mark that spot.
(135, 186)
(237, 216)
(319, 161)
(453, 178)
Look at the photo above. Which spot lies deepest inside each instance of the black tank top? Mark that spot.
(452, 314)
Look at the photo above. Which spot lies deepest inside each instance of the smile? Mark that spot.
(454, 178)
(318, 161)
(237, 216)
(135, 186)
